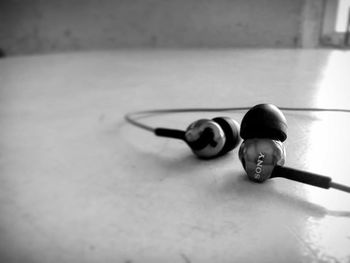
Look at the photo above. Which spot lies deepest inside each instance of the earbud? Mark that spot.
(207, 138)
(262, 153)
(263, 130)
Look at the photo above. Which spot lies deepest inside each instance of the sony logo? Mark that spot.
(259, 164)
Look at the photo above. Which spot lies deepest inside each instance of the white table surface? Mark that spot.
(79, 184)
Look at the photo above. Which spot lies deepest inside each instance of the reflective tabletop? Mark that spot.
(79, 184)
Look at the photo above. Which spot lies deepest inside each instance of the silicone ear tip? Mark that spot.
(264, 121)
(231, 130)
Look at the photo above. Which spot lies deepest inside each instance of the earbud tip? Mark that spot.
(231, 131)
(264, 121)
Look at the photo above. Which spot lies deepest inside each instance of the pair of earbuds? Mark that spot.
(262, 132)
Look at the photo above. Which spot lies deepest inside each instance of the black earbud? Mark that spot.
(262, 153)
(207, 138)
(263, 130)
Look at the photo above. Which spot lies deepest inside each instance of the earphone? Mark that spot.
(263, 130)
(207, 138)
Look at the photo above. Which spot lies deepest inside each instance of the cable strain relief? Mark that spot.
(170, 133)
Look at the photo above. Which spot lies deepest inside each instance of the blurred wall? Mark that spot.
(39, 26)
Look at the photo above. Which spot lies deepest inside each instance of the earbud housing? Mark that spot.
(212, 138)
(260, 156)
(205, 137)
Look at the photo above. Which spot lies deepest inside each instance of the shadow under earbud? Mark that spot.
(266, 194)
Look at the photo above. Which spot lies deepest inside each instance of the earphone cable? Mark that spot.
(132, 117)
